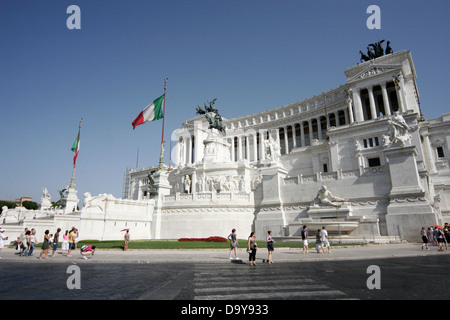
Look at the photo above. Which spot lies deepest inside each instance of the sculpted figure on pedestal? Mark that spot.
(325, 197)
(397, 131)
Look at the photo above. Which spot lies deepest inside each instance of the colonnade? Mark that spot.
(373, 101)
(363, 103)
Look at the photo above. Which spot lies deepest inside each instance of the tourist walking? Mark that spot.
(22, 242)
(424, 237)
(55, 241)
(25, 242)
(430, 234)
(447, 232)
(270, 246)
(45, 245)
(2, 239)
(126, 239)
(435, 233)
(305, 239)
(324, 239)
(32, 242)
(251, 248)
(233, 243)
(65, 243)
(71, 241)
(318, 242)
(76, 238)
(440, 239)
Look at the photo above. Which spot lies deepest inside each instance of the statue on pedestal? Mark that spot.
(375, 50)
(325, 198)
(273, 152)
(397, 131)
(212, 115)
(45, 199)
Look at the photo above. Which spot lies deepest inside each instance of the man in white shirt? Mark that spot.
(324, 239)
(2, 239)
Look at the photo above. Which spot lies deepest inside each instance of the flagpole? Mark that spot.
(161, 165)
(72, 184)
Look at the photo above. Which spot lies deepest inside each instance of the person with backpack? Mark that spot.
(440, 239)
(87, 250)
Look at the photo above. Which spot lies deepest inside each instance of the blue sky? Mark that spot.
(252, 55)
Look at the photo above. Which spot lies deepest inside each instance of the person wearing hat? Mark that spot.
(2, 239)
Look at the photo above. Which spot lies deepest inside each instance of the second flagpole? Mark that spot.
(161, 165)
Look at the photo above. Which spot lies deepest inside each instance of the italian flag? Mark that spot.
(76, 147)
(152, 112)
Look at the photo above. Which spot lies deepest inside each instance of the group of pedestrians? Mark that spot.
(437, 236)
(252, 246)
(322, 241)
(27, 241)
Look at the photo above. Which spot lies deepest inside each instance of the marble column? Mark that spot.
(310, 131)
(255, 147)
(319, 129)
(373, 111)
(239, 148)
(294, 136)
(387, 107)
(286, 140)
(232, 150)
(357, 105)
(302, 134)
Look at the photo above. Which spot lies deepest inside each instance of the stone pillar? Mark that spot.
(294, 136)
(387, 106)
(336, 115)
(273, 216)
(262, 150)
(346, 116)
(71, 200)
(399, 90)
(232, 149)
(310, 132)
(351, 118)
(189, 151)
(319, 129)
(286, 140)
(373, 111)
(162, 188)
(408, 208)
(302, 134)
(239, 148)
(255, 147)
(428, 152)
(357, 105)
(247, 148)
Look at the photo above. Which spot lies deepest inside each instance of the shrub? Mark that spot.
(210, 239)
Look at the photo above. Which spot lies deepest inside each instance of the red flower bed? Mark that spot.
(210, 239)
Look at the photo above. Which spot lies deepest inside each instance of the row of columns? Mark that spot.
(358, 114)
(251, 147)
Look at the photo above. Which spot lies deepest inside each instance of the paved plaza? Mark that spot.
(371, 251)
(206, 276)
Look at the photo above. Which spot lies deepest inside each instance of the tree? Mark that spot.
(30, 205)
(10, 205)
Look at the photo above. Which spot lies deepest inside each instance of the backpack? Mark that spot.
(83, 248)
